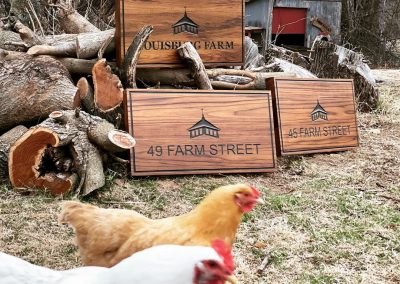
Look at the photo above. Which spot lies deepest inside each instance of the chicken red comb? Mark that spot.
(255, 191)
(225, 252)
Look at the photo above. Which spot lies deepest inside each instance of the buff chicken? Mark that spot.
(107, 236)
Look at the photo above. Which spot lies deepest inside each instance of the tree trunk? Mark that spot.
(189, 54)
(6, 140)
(31, 88)
(88, 45)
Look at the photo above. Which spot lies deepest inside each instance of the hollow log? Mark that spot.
(332, 61)
(108, 92)
(73, 22)
(6, 140)
(188, 53)
(51, 155)
(31, 88)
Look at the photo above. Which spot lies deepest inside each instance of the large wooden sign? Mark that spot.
(191, 132)
(314, 115)
(215, 28)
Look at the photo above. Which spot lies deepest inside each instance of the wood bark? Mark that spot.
(11, 41)
(31, 88)
(131, 59)
(85, 95)
(6, 140)
(333, 61)
(73, 22)
(51, 155)
(189, 54)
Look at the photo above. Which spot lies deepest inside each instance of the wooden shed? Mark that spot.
(292, 22)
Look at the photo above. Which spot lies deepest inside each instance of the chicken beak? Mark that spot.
(232, 279)
(260, 200)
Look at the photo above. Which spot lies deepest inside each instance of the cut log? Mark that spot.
(72, 22)
(85, 45)
(332, 61)
(31, 88)
(189, 54)
(109, 139)
(51, 155)
(131, 59)
(89, 44)
(6, 140)
(228, 79)
(108, 92)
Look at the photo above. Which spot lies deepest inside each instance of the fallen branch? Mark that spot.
(73, 22)
(128, 74)
(189, 54)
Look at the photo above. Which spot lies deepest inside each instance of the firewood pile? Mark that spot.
(62, 94)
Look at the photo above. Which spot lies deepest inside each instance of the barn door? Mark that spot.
(289, 26)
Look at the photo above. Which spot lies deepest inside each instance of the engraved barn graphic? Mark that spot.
(319, 113)
(186, 24)
(203, 127)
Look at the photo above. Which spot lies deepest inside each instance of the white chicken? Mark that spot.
(167, 264)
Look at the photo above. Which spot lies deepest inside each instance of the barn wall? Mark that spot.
(259, 13)
(328, 11)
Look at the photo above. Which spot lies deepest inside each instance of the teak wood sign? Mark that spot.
(199, 132)
(214, 27)
(314, 115)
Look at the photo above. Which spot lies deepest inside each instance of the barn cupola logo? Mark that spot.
(186, 25)
(203, 127)
(319, 113)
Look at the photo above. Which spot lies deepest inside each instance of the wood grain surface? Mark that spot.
(239, 127)
(314, 115)
(218, 36)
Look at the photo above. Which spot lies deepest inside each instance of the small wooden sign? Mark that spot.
(314, 115)
(215, 28)
(198, 132)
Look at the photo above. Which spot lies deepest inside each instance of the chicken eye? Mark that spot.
(212, 264)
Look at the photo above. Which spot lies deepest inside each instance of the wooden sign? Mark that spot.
(198, 132)
(214, 27)
(314, 115)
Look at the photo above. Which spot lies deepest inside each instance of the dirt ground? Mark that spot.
(331, 218)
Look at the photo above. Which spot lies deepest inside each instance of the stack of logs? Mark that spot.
(74, 128)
